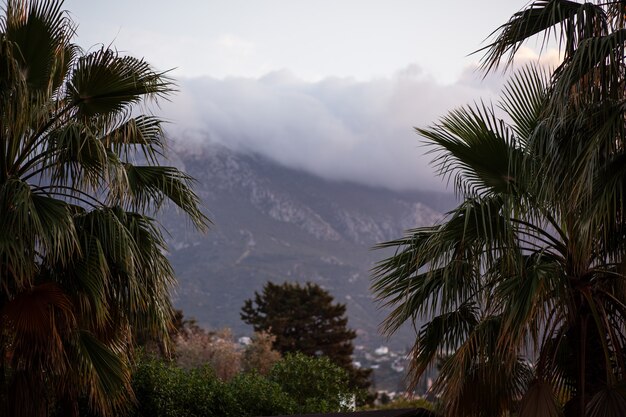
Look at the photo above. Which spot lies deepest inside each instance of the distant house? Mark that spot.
(406, 412)
(383, 350)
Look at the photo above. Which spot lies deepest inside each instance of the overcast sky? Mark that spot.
(330, 86)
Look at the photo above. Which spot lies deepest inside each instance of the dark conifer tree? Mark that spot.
(304, 318)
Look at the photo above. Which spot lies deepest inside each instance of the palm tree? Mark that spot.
(523, 284)
(82, 263)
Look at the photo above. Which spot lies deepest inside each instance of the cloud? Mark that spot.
(194, 55)
(473, 76)
(337, 128)
(234, 43)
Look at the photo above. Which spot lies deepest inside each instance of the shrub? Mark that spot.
(215, 349)
(260, 356)
(165, 390)
(256, 395)
(316, 384)
(296, 384)
(403, 402)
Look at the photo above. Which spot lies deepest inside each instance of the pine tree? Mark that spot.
(305, 319)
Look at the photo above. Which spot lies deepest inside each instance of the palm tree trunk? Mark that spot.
(588, 369)
(582, 366)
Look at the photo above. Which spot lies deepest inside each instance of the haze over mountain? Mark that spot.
(276, 223)
(335, 128)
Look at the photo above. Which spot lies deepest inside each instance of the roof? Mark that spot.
(405, 412)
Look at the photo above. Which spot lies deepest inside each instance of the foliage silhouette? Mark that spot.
(523, 283)
(81, 259)
(305, 319)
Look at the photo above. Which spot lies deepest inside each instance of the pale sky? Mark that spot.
(333, 87)
(312, 38)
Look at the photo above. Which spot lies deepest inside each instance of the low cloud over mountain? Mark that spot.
(335, 128)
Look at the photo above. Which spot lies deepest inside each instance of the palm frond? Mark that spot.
(526, 297)
(108, 228)
(479, 379)
(143, 133)
(37, 321)
(38, 31)
(593, 70)
(574, 21)
(32, 224)
(89, 278)
(150, 185)
(608, 402)
(477, 149)
(106, 375)
(103, 83)
(455, 253)
(540, 401)
(523, 99)
(153, 310)
(441, 335)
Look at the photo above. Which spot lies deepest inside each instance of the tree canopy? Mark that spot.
(82, 259)
(305, 319)
(522, 286)
(297, 384)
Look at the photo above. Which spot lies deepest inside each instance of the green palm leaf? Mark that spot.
(536, 247)
(151, 185)
(82, 264)
(140, 134)
(103, 83)
(477, 149)
(574, 20)
(38, 32)
(523, 99)
(104, 371)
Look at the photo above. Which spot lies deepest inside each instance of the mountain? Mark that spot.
(273, 223)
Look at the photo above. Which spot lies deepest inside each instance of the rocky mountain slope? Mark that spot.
(274, 223)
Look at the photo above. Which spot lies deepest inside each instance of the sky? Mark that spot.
(333, 87)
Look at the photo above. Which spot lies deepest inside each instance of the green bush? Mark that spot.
(403, 402)
(164, 390)
(297, 384)
(256, 395)
(316, 384)
(155, 385)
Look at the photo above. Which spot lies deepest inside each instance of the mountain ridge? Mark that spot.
(277, 223)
